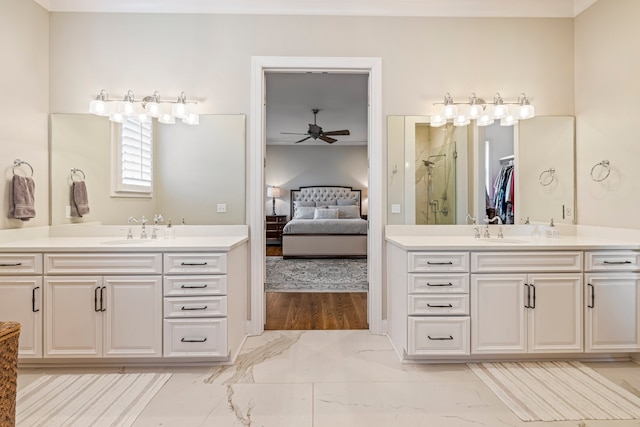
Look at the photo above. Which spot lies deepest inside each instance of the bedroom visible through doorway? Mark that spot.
(316, 165)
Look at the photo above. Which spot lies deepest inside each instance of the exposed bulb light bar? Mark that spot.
(151, 106)
(482, 112)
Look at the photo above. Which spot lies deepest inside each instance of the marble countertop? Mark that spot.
(110, 238)
(519, 243)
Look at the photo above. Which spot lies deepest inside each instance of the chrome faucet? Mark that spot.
(491, 221)
(472, 218)
(143, 220)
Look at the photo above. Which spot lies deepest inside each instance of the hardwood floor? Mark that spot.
(314, 310)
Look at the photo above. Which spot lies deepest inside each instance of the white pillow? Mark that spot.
(304, 212)
(325, 203)
(347, 202)
(326, 214)
(348, 212)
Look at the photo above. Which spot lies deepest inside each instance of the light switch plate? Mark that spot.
(395, 209)
(222, 207)
(67, 212)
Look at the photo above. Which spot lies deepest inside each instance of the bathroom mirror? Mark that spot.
(195, 169)
(438, 175)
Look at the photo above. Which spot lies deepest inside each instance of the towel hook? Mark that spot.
(550, 176)
(605, 165)
(75, 171)
(18, 163)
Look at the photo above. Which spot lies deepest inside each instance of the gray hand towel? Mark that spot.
(21, 202)
(79, 199)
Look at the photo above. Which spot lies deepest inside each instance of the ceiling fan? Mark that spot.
(316, 131)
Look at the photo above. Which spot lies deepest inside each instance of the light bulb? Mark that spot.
(437, 120)
(461, 120)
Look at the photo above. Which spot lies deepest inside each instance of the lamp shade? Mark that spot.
(273, 192)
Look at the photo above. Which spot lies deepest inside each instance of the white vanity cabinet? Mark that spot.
(21, 299)
(526, 302)
(103, 305)
(195, 305)
(612, 301)
(430, 302)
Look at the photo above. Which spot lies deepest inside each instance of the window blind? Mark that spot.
(136, 154)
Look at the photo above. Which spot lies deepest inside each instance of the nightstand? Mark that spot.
(273, 227)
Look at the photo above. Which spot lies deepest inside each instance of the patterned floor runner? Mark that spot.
(316, 275)
(557, 391)
(86, 400)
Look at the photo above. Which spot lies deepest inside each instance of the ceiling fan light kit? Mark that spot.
(316, 131)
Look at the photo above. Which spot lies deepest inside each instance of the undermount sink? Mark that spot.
(504, 240)
(123, 242)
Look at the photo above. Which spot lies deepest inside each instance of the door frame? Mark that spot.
(256, 182)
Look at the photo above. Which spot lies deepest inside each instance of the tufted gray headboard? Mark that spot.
(324, 194)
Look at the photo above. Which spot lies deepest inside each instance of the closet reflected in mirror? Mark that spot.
(448, 174)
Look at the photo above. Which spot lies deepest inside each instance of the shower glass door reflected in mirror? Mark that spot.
(435, 175)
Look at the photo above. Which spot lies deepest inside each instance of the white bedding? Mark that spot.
(326, 226)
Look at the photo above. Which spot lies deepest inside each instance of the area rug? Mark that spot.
(86, 400)
(557, 391)
(316, 275)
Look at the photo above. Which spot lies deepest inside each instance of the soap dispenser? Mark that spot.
(169, 233)
(552, 231)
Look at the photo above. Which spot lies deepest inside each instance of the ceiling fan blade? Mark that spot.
(292, 133)
(327, 139)
(338, 132)
(303, 139)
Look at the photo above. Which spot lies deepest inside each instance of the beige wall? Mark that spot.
(607, 78)
(292, 167)
(24, 85)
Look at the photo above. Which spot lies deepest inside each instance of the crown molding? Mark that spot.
(425, 8)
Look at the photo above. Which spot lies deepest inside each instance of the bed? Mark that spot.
(325, 222)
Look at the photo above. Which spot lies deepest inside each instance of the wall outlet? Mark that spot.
(395, 209)
(222, 207)
(67, 212)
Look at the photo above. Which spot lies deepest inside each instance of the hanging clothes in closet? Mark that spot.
(503, 194)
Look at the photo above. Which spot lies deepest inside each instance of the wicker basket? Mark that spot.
(9, 334)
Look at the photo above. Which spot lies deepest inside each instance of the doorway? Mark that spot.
(257, 185)
(316, 143)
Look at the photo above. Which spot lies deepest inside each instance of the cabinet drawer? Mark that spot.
(195, 337)
(179, 307)
(438, 336)
(438, 283)
(438, 261)
(103, 263)
(195, 285)
(20, 264)
(611, 261)
(443, 305)
(543, 261)
(195, 263)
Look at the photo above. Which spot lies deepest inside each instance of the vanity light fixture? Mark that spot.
(145, 109)
(483, 112)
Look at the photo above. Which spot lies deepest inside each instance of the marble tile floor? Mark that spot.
(334, 379)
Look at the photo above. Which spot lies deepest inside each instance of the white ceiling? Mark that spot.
(452, 8)
(341, 99)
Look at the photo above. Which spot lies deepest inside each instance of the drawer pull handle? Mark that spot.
(449, 338)
(616, 262)
(193, 339)
(33, 300)
(193, 286)
(440, 284)
(439, 305)
(193, 308)
(193, 263)
(11, 264)
(439, 263)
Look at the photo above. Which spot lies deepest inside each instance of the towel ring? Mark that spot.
(75, 171)
(18, 163)
(604, 164)
(550, 175)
